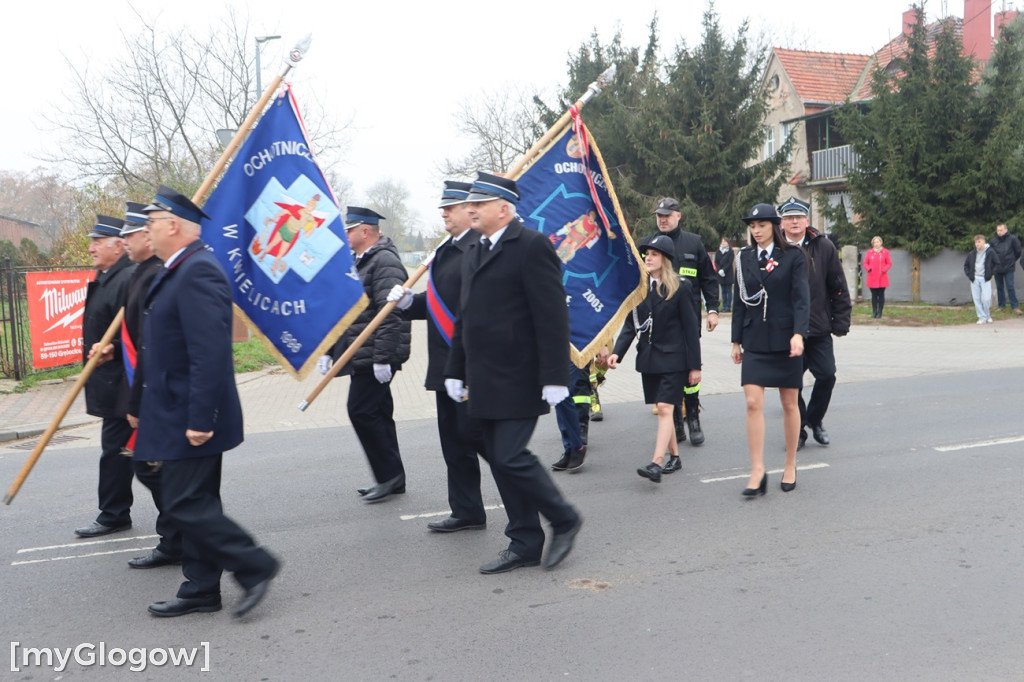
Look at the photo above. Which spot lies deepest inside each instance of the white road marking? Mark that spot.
(82, 556)
(410, 517)
(87, 543)
(802, 467)
(979, 444)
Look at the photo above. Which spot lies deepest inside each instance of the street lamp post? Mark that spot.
(259, 42)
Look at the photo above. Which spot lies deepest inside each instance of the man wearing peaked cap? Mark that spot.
(693, 263)
(190, 413)
(140, 250)
(460, 435)
(830, 313)
(512, 280)
(106, 391)
(370, 404)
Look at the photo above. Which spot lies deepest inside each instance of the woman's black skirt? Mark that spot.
(775, 369)
(664, 388)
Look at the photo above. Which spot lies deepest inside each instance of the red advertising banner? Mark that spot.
(56, 301)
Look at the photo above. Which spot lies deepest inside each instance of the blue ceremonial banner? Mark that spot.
(275, 228)
(565, 193)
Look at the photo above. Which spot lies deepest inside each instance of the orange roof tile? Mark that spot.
(822, 77)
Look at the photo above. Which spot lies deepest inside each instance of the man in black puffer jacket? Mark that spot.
(370, 406)
(830, 313)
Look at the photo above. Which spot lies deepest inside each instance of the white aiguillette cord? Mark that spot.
(755, 300)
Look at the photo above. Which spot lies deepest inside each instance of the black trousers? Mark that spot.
(820, 359)
(115, 486)
(371, 410)
(211, 542)
(461, 440)
(525, 486)
(170, 537)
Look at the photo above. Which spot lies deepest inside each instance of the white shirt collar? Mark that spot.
(496, 236)
(174, 257)
(767, 250)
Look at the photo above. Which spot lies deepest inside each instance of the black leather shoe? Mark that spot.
(154, 559)
(561, 464)
(788, 487)
(181, 606)
(576, 459)
(396, 486)
(651, 471)
(820, 434)
(802, 440)
(760, 489)
(255, 594)
(673, 464)
(97, 529)
(696, 435)
(452, 524)
(561, 545)
(507, 561)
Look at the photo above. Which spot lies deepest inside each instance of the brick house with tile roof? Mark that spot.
(805, 87)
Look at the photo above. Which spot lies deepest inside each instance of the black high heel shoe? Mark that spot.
(787, 487)
(760, 489)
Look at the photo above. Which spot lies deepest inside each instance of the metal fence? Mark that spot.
(15, 341)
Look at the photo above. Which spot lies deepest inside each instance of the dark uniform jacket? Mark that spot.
(694, 264)
(134, 307)
(186, 348)
(830, 296)
(671, 343)
(446, 273)
(991, 262)
(788, 301)
(106, 391)
(512, 337)
(1008, 250)
(380, 269)
(724, 261)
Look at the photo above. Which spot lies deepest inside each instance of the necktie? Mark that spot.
(762, 261)
(485, 246)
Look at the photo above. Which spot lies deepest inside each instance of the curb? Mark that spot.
(32, 430)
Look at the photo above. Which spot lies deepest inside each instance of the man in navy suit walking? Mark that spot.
(190, 412)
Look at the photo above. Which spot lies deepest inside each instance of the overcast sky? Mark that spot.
(400, 69)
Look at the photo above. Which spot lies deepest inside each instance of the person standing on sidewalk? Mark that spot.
(980, 266)
(830, 314)
(106, 391)
(460, 436)
(877, 263)
(724, 260)
(1007, 249)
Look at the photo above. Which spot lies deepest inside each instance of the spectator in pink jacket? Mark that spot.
(876, 266)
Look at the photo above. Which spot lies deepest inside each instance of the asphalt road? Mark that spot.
(898, 557)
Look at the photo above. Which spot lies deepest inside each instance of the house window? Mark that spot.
(769, 144)
(784, 131)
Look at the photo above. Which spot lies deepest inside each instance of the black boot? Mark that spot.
(693, 420)
(595, 407)
(677, 419)
(584, 431)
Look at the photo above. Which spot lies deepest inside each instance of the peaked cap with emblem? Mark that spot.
(793, 206)
(106, 226)
(455, 193)
(762, 212)
(176, 203)
(488, 187)
(134, 218)
(357, 215)
(666, 206)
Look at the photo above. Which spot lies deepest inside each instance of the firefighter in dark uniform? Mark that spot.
(460, 436)
(511, 349)
(370, 404)
(695, 265)
(106, 391)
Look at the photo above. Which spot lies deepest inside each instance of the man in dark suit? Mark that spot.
(106, 391)
(190, 412)
(510, 349)
(461, 438)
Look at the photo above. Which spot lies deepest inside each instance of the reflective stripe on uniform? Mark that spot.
(690, 390)
(688, 272)
(581, 399)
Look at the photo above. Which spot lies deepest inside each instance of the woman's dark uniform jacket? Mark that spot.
(190, 377)
(512, 335)
(788, 301)
(674, 342)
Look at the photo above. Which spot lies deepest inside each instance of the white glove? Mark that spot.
(721, 273)
(456, 389)
(382, 372)
(323, 365)
(554, 394)
(403, 296)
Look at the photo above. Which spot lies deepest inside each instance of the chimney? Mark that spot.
(977, 29)
(909, 19)
(1002, 20)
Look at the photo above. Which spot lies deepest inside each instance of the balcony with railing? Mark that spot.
(832, 164)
